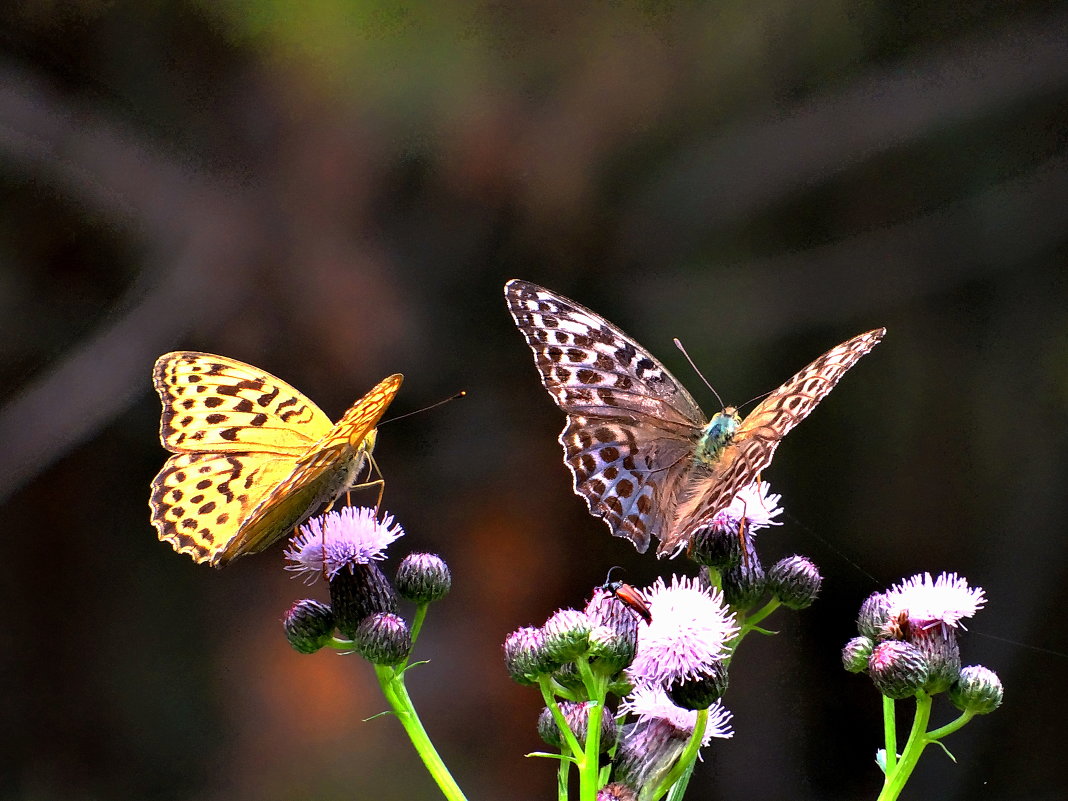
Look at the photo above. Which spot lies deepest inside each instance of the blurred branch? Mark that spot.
(200, 242)
(714, 184)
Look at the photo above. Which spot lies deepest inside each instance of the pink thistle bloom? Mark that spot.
(339, 540)
(756, 503)
(935, 602)
(688, 635)
(652, 703)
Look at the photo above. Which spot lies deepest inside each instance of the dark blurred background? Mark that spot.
(335, 191)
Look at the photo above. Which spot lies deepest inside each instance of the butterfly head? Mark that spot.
(717, 434)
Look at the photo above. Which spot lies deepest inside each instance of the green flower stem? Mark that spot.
(589, 768)
(890, 733)
(391, 681)
(683, 766)
(918, 740)
(750, 622)
(561, 778)
(952, 726)
(417, 623)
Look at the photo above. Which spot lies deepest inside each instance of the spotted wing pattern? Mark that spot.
(632, 429)
(754, 442)
(253, 456)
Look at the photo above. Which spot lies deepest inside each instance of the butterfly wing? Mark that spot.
(212, 403)
(254, 456)
(631, 427)
(754, 442)
(328, 469)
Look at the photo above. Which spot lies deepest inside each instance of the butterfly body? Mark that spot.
(641, 452)
(253, 457)
(717, 435)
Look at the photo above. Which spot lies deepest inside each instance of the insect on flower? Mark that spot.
(629, 596)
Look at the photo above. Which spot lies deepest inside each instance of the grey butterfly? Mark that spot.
(641, 452)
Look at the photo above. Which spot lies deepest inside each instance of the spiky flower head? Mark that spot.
(927, 612)
(340, 541)
(359, 592)
(688, 636)
(720, 543)
(856, 654)
(423, 578)
(309, 625)
(526, 657)
(978, 691)
(898, 669)
(567, 635)
(649, 703)
(795, 581)
(383, 639)
(873, 615)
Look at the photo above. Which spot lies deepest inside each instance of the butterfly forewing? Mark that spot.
(212, 403)
(632, 430)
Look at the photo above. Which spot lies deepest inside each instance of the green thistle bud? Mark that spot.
(856, 654)
(359, 591)
(718, 547)
(873, 616)
(978, 690)
(567, 635)
(309, 625)
(795, 581)
(745, 585)
(525, 655)
(612, 651)
(383, 639)
(700, 692)
(898, 669)
(423, 578)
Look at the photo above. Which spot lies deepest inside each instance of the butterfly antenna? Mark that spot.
(461, 394)
(761, 396)
(678, 344)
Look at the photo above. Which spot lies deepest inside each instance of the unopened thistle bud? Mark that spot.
(577, 716)
(701, 691)
(423, 578)
(795, 581)
(978, 690)
(873, 616)
(745, 585)
(717, 546)
(383, 639)
(525, 655)
(309, 625)
(358, 592)
(567, 635)
(612, 651)
(898, 669)
(856, 654)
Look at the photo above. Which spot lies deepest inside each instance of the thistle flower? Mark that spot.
(719, 545)
(978, 690)
(383, 639)
(309, 625)
(927, 612)
(898, 669)
(567, 635)
(856, 654)
(795, 581)
(688, 636)
(341, 540)
(654, 704)
(423, 578)
(525, 655)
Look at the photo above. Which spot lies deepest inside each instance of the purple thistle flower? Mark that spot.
(935, 602)
(652, 703)
(339, 540)
(688, 635)
(756, 504)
